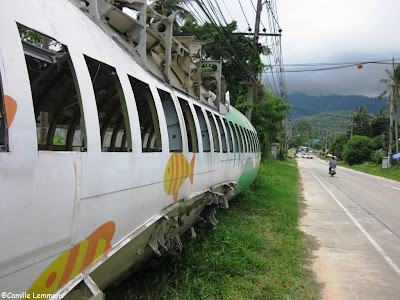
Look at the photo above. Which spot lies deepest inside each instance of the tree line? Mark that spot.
(372, 137)
(366, 138)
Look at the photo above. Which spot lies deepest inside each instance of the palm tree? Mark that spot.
(361, 121)
(392, 88)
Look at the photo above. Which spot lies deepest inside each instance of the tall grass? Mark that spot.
(256, 251)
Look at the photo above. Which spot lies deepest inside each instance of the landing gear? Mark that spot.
(208, 219)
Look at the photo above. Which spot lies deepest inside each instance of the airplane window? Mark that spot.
(214, 131)
(174, 130)
(55, 93)
(249, 139)
(190, 126)
(258, 142)
(234, 136)
(228, 131)
(249, 144)
(204, 131)
(253, 144)
(255, 140)
(240, 138)
(3, 126)
(148, 119)
(111, 107)
(222, 132)
(246, 145)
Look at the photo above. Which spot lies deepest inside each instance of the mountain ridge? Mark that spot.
(307, 105)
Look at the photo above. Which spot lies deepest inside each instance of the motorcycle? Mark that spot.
(332, 171)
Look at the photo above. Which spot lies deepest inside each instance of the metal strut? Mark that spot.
(149, 40)
(161, 242)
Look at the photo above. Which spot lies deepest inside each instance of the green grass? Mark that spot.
(374, 169)
(256, 251)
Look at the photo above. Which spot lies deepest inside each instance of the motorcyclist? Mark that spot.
(332, 163)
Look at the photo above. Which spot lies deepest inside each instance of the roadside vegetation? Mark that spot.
(256, 251)
(374, 169)
(366, 141)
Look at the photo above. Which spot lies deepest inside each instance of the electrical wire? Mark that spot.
(255, 10)
(223, 2)
(276, 54)
(335, 67)
(268, 2)
(383, 62)
(275, 78)
(201, 18)
(202, 5)
(272, 87)
(218, 9)
(247, 21)
(210, 11)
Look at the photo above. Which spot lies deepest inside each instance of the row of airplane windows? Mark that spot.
(60, 126)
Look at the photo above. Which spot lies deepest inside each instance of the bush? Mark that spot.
(378, 142)
(377, 156)
(337, 145)
(358, 150)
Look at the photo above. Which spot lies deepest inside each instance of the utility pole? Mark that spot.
(252, 83)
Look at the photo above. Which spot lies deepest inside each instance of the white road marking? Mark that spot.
(392, 187)
(366, 234)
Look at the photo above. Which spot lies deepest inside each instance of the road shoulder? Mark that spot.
(345, 263)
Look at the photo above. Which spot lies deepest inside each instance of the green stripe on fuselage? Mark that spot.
(248, 173)
(236, 117)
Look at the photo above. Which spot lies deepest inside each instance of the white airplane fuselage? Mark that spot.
(83, 212)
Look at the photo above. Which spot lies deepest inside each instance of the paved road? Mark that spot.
(355, 219)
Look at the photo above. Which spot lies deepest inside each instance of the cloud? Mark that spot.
(350, 82)
(316, 31)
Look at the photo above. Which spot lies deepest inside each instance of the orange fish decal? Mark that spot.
(176, 172)
(74, 261)
(11, 109)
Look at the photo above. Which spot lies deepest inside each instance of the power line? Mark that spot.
(223, 2)
(269, 58)
(247, 21)
(381, 61)
(275, 78)
(198, 14)
(256, 11)
(335, 67)
(268, 2)
(210, 11)
(336, 64)
(209, 15)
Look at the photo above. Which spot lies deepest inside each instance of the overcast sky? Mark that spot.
(332, 31)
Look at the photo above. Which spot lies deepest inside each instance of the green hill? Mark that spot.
(334, 122)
